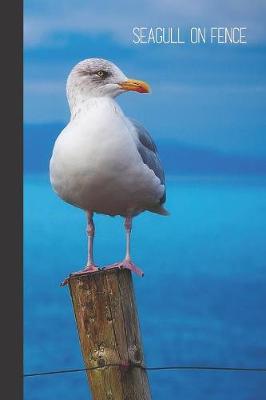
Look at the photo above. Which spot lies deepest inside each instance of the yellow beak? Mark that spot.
(136, 86)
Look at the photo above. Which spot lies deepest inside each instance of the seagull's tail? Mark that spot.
(159, 210)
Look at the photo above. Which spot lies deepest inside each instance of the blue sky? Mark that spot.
(211, 96)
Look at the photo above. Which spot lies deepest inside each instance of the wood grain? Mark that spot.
(109, 333)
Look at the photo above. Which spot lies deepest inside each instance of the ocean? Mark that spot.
(202, 300)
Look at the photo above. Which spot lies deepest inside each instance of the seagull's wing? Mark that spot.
(148, 152)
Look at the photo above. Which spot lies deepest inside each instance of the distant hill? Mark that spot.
(177, 158)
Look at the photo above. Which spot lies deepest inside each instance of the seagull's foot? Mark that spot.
(87, 270)
(126, 264)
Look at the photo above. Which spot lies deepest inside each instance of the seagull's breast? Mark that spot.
(96, 166)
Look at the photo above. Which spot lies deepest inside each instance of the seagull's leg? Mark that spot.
(127, 262)
(128, 228)
(90, 267)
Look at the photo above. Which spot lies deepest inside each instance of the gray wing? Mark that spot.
(148, 152)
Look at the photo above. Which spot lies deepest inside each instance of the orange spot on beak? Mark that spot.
(135, 85)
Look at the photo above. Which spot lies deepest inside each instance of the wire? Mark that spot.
(165, 368)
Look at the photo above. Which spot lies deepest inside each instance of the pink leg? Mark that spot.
(127, 262)
(90, 267)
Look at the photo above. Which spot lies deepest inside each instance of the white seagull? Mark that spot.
(102, 161)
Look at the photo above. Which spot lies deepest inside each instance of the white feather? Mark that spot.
(96, 166)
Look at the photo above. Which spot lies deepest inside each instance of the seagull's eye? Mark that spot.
(102, 74)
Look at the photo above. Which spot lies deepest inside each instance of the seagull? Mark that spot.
(102, 161)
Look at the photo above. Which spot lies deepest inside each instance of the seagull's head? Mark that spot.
(96, 77)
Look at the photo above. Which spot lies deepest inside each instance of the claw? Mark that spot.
(126, 264)
(87, 270)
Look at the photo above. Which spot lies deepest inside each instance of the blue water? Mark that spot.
(202, 300)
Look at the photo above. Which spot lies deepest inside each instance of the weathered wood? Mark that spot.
(106, 316)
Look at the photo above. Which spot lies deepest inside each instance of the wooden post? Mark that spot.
(107, 322)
